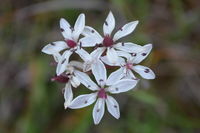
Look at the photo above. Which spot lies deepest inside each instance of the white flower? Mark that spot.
(101, 92)
(70, 79)
(109, 43)
(72, 43)
(126, 66)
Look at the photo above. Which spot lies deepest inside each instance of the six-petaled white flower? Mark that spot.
(70, 79)
(107, 42)
(72, 43)
(101, 92)
(130, 63)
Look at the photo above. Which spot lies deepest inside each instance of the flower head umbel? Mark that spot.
(101, 93)
(107, 49)
(107, 42)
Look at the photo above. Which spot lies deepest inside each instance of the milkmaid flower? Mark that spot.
(125, 55)
(108, 42)
(70, 79)
(71, 43)
(130, 63)
(102, 91)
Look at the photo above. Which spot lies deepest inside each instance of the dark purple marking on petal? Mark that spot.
(101, 80)
(62, 30)
(63, 61)
(53, 44)
(106, 23)
(146, 70)
(133, 54)
(144, 54)
(80, 44)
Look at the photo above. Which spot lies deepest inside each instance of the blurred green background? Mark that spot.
(31, 103)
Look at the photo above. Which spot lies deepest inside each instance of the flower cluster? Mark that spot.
(108, 50)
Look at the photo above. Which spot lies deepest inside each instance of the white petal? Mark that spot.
(124, 54)
(106, 61)
(89, 41)
(75, 81)
(77, 64)
(54, 47)
(84, 54)
(97, 53)
(99, 72)
(65, 29)
(125, 30)
(130, 75)
(85, 80)
(87, 66)
(89, 31)
(115, 76)
(146, 49)
(128, 47)
(62, 63)
(83, 101)
(68, 95)
(98, 111)
(79, 26)
(113, 107)
(112, 56)
(145, 72)
(122, 86)
(57, 56)
(94, 55)
(109, 24)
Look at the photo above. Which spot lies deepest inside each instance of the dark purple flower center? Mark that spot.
(129, 65)
(108, 41)
(71, 43)
(102, 93)
(63, 78)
